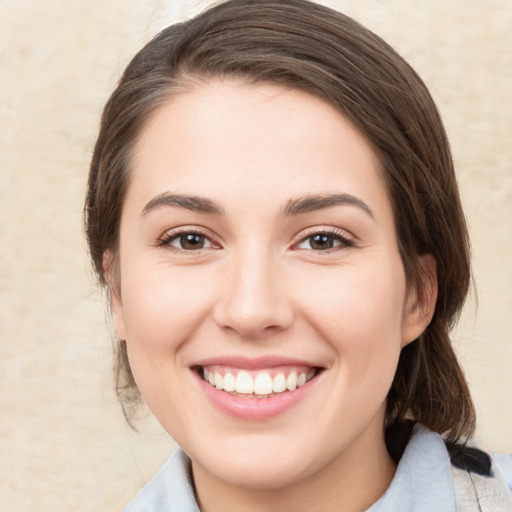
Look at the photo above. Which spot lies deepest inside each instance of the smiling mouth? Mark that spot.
(259, 383)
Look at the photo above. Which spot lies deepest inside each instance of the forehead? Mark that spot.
(228, 140)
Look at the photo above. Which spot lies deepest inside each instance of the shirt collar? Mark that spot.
(422, 481)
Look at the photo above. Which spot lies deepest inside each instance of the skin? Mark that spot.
(259, 286)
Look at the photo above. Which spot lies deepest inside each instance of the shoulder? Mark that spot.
(171, 489)
(481, 482)
(423, 480)
(473, 460)
(503, 463)
(428, 476)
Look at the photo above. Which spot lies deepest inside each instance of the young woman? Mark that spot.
(273, 209)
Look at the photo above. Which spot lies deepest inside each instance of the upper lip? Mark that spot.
(258, 363)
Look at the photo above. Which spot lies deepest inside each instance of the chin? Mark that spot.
(269, 472)
(264, 463)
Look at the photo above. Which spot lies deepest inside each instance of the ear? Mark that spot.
(421, 301)
(113, 278)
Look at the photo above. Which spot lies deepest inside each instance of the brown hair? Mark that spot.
(305, 46)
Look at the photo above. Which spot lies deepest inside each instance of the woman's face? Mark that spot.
(258, 251)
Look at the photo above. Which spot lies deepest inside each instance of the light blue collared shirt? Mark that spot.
(422, 482)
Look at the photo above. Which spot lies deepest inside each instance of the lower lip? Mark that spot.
(255, 409)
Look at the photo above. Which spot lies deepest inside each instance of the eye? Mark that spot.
(187, 241)
(324, 241)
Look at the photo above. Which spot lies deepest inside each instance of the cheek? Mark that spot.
(359, 313)
(163, 309)
(163, 305)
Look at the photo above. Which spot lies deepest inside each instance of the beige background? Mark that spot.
(64, 444)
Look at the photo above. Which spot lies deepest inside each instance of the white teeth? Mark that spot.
(244, 383)
(263, 384)
(219, 381)
(229, 382)
(279, 383)
(291, 381)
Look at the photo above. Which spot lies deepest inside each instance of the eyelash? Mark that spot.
(334, 235)
(168, 238)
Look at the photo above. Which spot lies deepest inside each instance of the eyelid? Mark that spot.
(163, 241)
(348, 239)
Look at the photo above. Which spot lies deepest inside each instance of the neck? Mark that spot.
(351, 482)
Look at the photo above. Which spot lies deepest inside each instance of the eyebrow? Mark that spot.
(193, 203)
(295, 206)
(312, 203)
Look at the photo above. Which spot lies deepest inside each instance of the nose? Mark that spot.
(253, 300)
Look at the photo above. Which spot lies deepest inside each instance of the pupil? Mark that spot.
(322, 242)
(192, 241)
